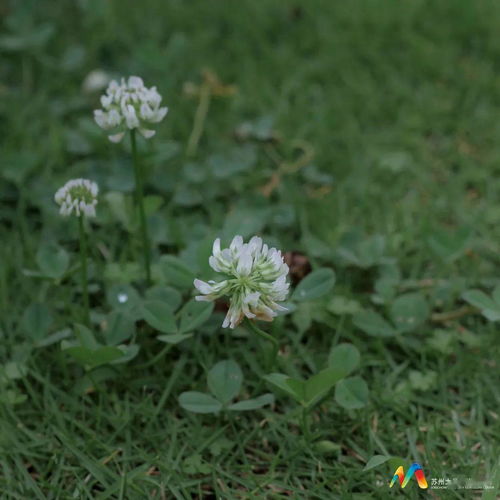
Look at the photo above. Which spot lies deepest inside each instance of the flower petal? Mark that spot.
(147, 134)
(116, 137)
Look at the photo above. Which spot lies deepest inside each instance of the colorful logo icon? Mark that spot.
(416, 470)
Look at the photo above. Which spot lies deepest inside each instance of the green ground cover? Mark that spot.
(356, 136)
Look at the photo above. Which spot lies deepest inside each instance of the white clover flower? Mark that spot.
(129, 105)
(79, 195)
(255, 280)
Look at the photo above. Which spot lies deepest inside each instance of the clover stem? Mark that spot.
(153, 360)
(83, 258)
(199, 119)
(139, 184)
(305, 424)
(274, 353)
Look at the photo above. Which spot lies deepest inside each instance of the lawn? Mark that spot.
(361, 139)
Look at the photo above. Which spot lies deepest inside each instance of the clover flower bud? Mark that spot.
(255, 280)
(78, 195)
(129, 105)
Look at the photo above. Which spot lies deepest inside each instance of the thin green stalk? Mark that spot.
(139, 183)
(23, 221)
(97, 385)
(199, 119)
(271, 361)
(304, 424)
(153, 360)
(83, 257)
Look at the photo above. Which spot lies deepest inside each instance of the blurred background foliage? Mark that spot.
(356, 135)
(392, 99)
(326, 124)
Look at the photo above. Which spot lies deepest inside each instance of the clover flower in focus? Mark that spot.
(255, 280)
(129, 105)
(78, 195)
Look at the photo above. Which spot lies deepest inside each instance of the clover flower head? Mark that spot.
(78, 195)
(129, 105)
(255, 280)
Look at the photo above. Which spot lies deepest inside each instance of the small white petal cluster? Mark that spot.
(255, 280)
(129, 105)
(78, 196)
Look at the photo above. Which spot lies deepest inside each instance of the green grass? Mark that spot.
(386, 114)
